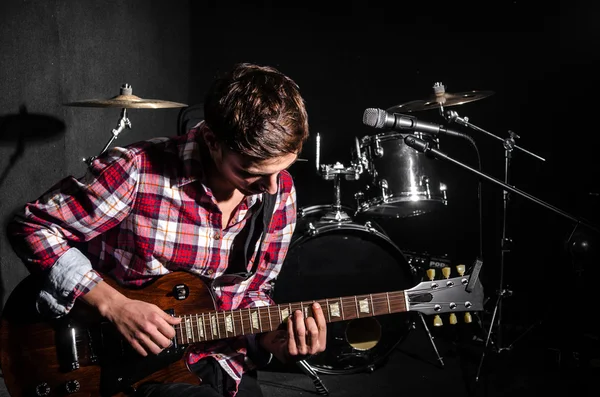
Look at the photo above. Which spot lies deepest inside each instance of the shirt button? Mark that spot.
(210, 271)
(217, 236)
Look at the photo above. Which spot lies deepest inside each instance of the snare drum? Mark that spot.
(401, 182)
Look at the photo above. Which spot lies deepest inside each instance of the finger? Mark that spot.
(147, 343)
(321, 325)
(171, 319)
(158, 337)
(137, 347)
(165, 328)
(292, 348)
(300, 333)
(312, 336)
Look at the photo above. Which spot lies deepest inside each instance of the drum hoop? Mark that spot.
(395, 198)
(383, 136)
(324, 228)
(392, 135)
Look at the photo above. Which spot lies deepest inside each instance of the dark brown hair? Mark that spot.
(257, 111)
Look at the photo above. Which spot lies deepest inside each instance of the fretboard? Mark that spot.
(213, 325)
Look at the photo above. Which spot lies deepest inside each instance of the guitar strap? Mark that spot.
(245, 242)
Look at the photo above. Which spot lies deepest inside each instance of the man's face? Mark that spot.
(251, 176)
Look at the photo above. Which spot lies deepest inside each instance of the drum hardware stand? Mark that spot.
(506, 242)
(335, 172)
(121, 125)
(312, 374)
(422, 146)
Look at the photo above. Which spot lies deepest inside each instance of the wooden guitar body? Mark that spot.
(81, 354)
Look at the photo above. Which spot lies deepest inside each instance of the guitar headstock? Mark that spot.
(446, 295)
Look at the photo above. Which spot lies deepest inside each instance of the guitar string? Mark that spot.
(227, 318)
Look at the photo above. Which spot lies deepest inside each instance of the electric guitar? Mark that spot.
(82, 354)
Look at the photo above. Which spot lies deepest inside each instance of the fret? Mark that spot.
(257, 314)
(188, 330)
(328, 309)
(204, 327)
(270, 320)
(342, 308)
(181, 332)
(214, 325)
(372, 305)
(284, 314)
(228, 323)
(242, 323)
(302, 308)
(356, 303)
(200, 328)
(280, 316)
(387, 295)
(232, 321)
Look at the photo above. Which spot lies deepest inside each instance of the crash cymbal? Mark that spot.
(445, 99)
(126, 100)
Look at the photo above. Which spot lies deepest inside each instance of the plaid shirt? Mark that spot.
(145, 212)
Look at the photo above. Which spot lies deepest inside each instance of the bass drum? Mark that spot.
(335, 259)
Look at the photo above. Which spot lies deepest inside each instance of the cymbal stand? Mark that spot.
(506, 242)
(121, 125)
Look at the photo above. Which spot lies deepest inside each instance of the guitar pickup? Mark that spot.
(66, 347)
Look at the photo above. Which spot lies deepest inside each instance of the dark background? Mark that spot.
(539, 60)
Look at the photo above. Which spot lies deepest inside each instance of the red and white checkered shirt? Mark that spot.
(144, 212)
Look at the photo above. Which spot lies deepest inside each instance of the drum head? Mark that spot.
(347, 259)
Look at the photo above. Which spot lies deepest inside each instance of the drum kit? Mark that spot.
(334, 254)
(335, 251)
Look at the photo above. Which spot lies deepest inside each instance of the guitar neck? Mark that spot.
(214, 325)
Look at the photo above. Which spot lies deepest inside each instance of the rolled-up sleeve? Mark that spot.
(45, 233)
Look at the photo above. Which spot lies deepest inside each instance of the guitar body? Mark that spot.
(81, 354)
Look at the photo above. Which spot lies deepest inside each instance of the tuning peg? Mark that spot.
(431, 274)
(437, 321)
(460, 270)
(453, 318)
(446, 271)
(468, 318)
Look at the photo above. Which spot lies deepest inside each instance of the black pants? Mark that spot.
(214, 384)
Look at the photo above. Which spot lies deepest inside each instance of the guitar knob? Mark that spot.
(468, 318)
(72, 386)
(453, 319)
(437, 321)
(460, 269)
(43, 389)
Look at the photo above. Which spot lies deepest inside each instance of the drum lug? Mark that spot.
(425, 181)
(378, 148)
(370, 227)
(385, 192)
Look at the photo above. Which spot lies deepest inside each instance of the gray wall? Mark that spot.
(59, 51)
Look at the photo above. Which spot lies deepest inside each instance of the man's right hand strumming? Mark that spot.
(144, 325)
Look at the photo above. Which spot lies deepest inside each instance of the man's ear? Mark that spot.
(210, 139)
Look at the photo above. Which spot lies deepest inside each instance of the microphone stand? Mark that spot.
(506, 242)
(423, 147)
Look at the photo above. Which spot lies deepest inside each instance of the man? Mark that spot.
(181, 203)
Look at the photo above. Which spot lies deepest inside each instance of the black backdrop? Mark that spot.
(346, 56)
(538, 60)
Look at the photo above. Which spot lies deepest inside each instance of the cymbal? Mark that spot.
(445, 99)
(127, 100)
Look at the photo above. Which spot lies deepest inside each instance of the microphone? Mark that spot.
(418, 144)
(378, 118)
